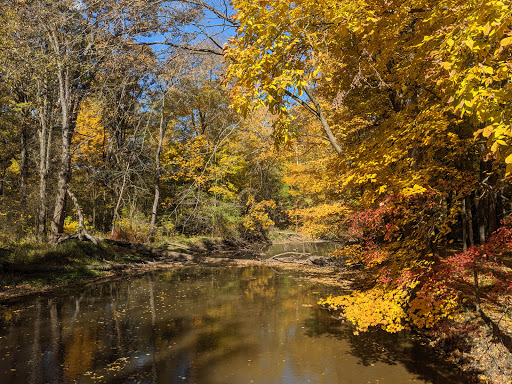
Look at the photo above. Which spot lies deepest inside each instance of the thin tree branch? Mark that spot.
(184, 47)
(323, 121)
(302, 102)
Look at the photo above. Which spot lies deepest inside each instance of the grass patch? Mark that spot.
(39, 279)
(69, 253)
(42, 264)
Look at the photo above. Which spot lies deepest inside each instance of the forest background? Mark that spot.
(385, 124)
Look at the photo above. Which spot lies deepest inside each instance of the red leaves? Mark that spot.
(488, 262)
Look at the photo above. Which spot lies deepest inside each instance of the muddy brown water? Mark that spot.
(202, 325)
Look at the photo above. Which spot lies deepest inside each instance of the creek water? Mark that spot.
(202, 325)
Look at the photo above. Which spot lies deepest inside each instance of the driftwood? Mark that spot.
(290, 253)
(316, 260)
(82, 231)
(108, 267)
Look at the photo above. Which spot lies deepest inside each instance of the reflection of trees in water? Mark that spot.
(378, 346)
(35, 362)
(105, 328)
(258, 282)
(162, 327)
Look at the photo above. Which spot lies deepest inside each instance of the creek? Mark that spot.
(203, 325)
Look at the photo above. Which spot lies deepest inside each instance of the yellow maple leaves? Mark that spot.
(396, 308)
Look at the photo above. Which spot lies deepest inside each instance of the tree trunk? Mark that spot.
(477, 290)
(482, 200)
(500, 206)
(470, 221)
(45, 140)
(323, 120)
(23, 164)
(161, 135)
(94, 203)
(64, 176)
(464, 217)
(491, 217)
(82, 231)
(69, 111)
(2, 181)
(480, 207)
(118, 204)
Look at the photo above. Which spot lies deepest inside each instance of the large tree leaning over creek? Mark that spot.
(403, 88)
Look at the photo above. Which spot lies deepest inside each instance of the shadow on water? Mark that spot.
(201, 325)
(377, 346)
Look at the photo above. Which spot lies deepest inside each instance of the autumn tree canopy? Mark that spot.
(384, 124)
(411, 98)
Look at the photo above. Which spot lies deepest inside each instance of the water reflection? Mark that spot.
(200, 325)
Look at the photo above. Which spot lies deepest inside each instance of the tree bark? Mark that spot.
(63, 178)
(464, 226)
(118, 204)
(480, 207)
(492, 217)
(23, 164)
(470, 221)
(323, 120)
(69, 103)
(82, 231)
(45, 139)
(161, 135)
(2, 181)
(477, 290)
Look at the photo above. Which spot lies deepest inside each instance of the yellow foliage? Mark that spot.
(405, 88)
(224, 192)
(70, 225)
(14, 168)
(258, 215)
(376, 307)
(349, 253)
(394, 308)
(90, 140)
(135, 228)
(323, 220)
(414, 190)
